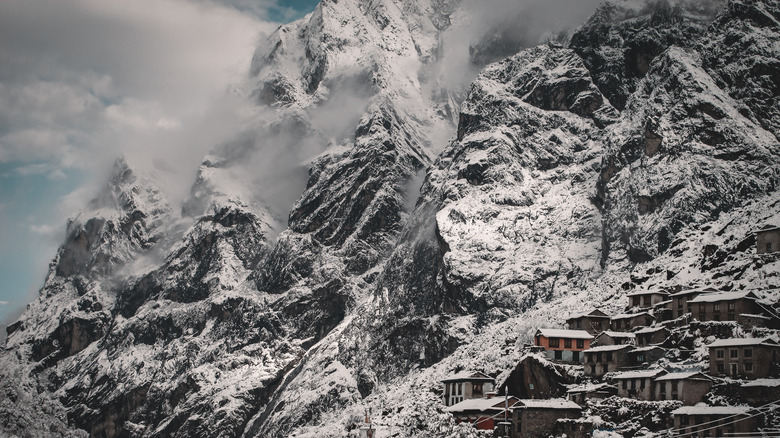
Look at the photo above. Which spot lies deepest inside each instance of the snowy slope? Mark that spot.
(365, 235)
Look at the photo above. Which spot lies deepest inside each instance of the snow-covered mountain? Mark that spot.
(429, 227)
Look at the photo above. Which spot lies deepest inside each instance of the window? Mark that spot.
(647, 300)
(575, 356)
(625, 384)
(748, 367)
(555, 342)
(579, 324)
(580, 343)
(716, 307)
(732, 316)
(720, 368)
(640, 358)
(609, 356)
(702, 308)
(732, 306)
(663, 388)
(598, 357)
(641, 383)
(720, 353)
(679, 303)
(597, 326)
(633, 384)
(558, 355)
(769, 247)
(567, 343)
(684, 419)
(593, 369)
(716, 317)
(748, 352)
(733, 353)
(674, 387)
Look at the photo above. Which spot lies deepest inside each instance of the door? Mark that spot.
(734, 370)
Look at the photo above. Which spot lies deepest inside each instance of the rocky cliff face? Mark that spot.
(638, 156)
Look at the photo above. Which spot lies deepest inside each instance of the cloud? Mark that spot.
(82, 81)
(4, 303)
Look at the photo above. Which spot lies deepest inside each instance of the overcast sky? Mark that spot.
(83, 80)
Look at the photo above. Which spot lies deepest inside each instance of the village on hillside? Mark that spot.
(677, 363)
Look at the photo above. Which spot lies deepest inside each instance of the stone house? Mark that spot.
(651, 336)
(563, 345)
(643, 356)
(614, 338)
(605, 359)
(637, 384)
(589, 391)
(701, 421)
(466, 386)
(593, 322)
(537, 418)
(688, 387)
(680, 300)
(724, 306)
(624, 322)
(483, 413)
(768, 240)
(752, 358)
(645, 299)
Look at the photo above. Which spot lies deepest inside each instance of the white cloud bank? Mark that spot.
(84, 80)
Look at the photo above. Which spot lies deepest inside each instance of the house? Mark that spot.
(537, 418)
(646, 299)
(466, 386)
(593, 322)
(605, 359)
(688, 387)
(643, 356)
(563, 345)
(637, 384)
(768, 240)
(680, 300)
(651, 335)
(753, 358)
(367, 428)
(626, 321)
(724, 306)
(483, 413)
(614, 338)
(589, 391)
(700, 421)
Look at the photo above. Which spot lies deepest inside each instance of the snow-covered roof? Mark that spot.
(650, 330)
(648, 348)
(607, 348)
(467, 375)
(711, 410)
(591, 313)
(767, 228)
(588, 387)
(629, 315)
(682, 376)
(612, 334)
(552, 403)
(481, 404)
(641, 374)
(700, 290)
(646, 292)
(561, 333)
(739, 342)
(722, 296)
(763, 383)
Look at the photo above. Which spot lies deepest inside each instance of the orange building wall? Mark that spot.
(543, 341)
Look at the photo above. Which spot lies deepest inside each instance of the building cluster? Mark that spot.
(620, 355)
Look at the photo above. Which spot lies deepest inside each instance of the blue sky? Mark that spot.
(82, 81)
